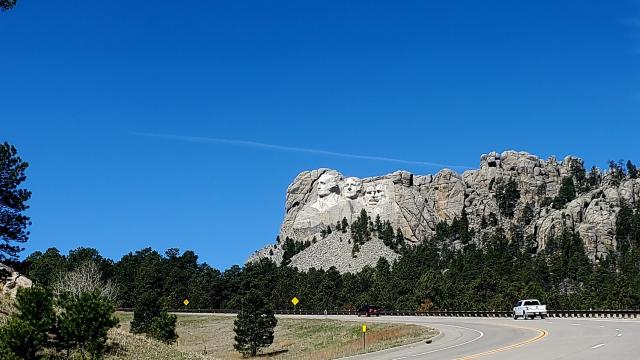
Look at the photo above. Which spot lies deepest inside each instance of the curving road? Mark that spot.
(475, 338)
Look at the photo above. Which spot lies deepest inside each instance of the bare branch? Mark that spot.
(86, 278)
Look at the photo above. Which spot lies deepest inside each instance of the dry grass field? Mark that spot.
(126, 346)
(211, 337)
(203, 337)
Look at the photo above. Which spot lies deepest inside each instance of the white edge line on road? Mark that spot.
(448, 347)
(597, 346)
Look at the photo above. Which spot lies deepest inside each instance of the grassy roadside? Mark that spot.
(122, 345)
(126, 346)
(211, 337)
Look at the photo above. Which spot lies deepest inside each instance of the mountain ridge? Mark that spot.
(516, 191)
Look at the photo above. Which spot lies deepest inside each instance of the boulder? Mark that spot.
(12, 281)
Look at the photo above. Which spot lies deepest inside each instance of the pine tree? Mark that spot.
(527, 215)
(632, 170)
(378, 225)
(624, 224)
(254, 325)
(345, 225)
(566, 193)
(387, 234)
(399, 240)
(617, 170)
(355, 249)
(292, 247)
(360, 228)
(579, 175)
(13, 222)
(465, 234)
(163, 328)
(507, 196)
(45, 268)
(5, 352)
(493, 219)
(84, 322)
(7, 4)
(483, 222)
(19, 340)
(147, 308)
(26, 332)
(594, 177)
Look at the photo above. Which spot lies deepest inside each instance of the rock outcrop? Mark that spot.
(12, 281)
(414, 204)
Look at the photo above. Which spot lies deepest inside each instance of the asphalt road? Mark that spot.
(474, 338)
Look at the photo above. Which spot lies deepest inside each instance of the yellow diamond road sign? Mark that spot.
(186, 302)
(295, 301)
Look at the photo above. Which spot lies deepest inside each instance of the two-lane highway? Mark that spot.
(583, 339)
(489, 338)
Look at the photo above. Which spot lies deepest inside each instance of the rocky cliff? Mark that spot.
(414, 204)
(11, 281)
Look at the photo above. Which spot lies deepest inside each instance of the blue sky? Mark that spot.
(425, 81)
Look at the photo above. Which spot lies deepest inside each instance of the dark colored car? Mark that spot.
(369, 310)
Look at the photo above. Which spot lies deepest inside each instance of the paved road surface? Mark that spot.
(471, 338)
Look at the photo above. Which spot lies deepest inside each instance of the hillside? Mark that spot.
(11, 281)
(529, 197)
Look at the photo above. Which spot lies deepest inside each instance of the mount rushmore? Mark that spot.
(414, 204)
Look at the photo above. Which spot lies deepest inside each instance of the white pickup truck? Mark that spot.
(529, 308)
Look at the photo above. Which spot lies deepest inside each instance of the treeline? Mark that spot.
(490, 275)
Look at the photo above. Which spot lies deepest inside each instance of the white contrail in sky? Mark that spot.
(255, 144)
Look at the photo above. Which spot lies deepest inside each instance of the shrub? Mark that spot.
(146, 309)
(84, 322)
(6, 353)
(163, 328)
(20, 339)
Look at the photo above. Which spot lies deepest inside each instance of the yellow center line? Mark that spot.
(541, 334)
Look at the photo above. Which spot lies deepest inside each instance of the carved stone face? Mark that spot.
(352, 187)
(375, 194)
(326, 184)
(380, 193)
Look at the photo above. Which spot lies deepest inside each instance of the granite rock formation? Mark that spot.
(11, 281)
(414, 204)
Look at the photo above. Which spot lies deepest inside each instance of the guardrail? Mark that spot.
(622, 314)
